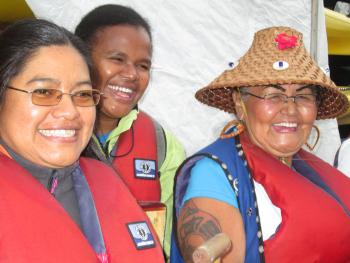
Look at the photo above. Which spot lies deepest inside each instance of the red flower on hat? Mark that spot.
(284, 41)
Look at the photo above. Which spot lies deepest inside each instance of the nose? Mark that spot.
(130, 72)
(290, 105)
(65, 108)
(292, 98)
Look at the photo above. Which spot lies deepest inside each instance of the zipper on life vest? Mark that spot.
(53, 182)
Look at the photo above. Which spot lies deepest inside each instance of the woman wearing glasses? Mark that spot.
(54, 206)
(275, 201)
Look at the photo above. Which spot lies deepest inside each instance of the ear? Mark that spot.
(237, 99)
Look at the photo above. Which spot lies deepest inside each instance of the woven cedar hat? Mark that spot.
(277, 56)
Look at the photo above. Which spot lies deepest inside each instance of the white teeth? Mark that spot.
(287, 124)
(122, 89)
(57, 133)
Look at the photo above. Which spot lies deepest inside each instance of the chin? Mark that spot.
(61, 162)
(115, 114)
(283, 152)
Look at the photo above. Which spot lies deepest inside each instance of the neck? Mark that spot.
(105, 124)
(286, 160)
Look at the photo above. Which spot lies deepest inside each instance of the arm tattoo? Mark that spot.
(196, 225)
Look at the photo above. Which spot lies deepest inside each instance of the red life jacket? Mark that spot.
(136, 159)
(305, 208)
(35, 228)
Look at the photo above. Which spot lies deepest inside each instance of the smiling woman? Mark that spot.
(256, 184)
(55, 200)
(125, 137)
(55, 135)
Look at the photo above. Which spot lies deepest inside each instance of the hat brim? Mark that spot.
(333, 103)
(265, 63)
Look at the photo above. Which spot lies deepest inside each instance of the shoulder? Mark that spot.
(208, 179)
(172, 141)
(208, 163)
(8, 168)
(86, 162)
(345, 147)
(97, 169)
(102, 179)
(8, 164)
(209, 172)
(168, 145)
(343, 163)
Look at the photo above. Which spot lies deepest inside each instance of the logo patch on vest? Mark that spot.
(141, 235)
(145, 169)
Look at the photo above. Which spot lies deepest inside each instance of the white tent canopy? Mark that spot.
(194, 41)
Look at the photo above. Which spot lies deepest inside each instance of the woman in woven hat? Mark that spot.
(56, 206)
(275, 201)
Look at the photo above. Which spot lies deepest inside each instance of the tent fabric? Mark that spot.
(194, 41)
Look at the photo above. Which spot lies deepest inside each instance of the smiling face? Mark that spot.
(279, 128)
(50, 136)
(122, 60)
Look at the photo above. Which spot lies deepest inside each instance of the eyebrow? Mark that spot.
(305, 87)
(42, 79)
(84, 82)
(147, 60)
(55, 81)
(283, 89)
(115, 53)
(275, 86)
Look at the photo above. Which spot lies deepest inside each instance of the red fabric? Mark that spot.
(314, 226)
(35, 228)
(121, 209)
(334, 178)
(144, 147)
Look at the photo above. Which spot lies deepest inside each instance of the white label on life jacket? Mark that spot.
(141, 235)
(145, 169)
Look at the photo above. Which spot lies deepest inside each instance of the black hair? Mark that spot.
(22, 39)
(109, 15)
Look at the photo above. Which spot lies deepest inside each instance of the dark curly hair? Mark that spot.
(109, 15)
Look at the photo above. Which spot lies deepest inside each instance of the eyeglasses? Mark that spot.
(51, 97)
(301, 100)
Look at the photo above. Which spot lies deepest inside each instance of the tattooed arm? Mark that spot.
(202, 218)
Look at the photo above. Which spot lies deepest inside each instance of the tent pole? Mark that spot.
(314, 27)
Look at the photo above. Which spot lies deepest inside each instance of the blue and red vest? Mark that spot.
(136, 159)
(35, 228)
(314, 202)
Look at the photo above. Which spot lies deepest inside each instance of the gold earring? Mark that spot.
(318, 133)
(238, 128)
